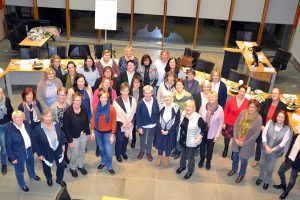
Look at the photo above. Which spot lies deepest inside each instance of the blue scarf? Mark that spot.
(102, 110)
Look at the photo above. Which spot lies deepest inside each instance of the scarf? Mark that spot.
(51, 135)
(168, 86)
(246, 123)
(126, 118)
(102, 110)
(69, 81)
(109, 63)
(3, 109)
(35, 112)
(211, 109)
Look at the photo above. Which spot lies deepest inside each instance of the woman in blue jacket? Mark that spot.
(50, 147)
(20, 141)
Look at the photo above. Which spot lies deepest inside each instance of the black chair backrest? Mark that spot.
(244, 35)
(281, 59)
(204, 66)
(99, 48)
(24, 53)
(233, 75)
(29, 53)
(21, 31)
(14, 39)
(63, 194)
(256, 83)
(79, 51)
(12, 20)
(57, 50)
(231, 61)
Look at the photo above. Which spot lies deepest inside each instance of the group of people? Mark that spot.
(167, 107)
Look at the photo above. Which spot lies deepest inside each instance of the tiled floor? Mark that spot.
(141, 180)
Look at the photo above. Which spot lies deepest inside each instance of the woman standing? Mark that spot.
(274, 137)
(167, 85)
(55, 64)
(105, 61)
(268, 108)
(69, 78)
(173, 66)
(76, 127)
(105, 85)
(125, 106)
(181, 95)
(128, 56)
(89, 71)
(190, 134)
(246, 129)
(50, 147)
(205, 89)
(160, 65)
(5, 117)
(234, 106)
(165, 138)
(218, 86)
(148, 71)
(47, 88)
(58, 110)
(107, 73)
(213, 115)
(103, 123)
(19, 144)
(31, 107)
(81, 86)
(192, 86)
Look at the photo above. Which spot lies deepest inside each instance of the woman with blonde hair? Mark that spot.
(105, 61)
(105, 85)
(55, 64)
(47, 88)
(128, 56)
(218, 86)
(205, 89)
(160, 65)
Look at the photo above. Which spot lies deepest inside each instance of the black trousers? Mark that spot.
(206, 148)
(258, 147)
(285, 166)
(188, 154)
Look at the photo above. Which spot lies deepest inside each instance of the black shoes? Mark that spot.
(187, 175)
(100, 166)
(50, 182)
(119, 159)
(36, 178)
(67, 161)
(83, 171)
(132, 144)
(180, 169)
(111, 171)
(283, 195)
(258, 181)
(266, 186)
(125, 157)
(207, 165)
(280, 186)
(4, 169)
(201, 162)
(61, 183)
(225, 151)
(74, 173)
(25, 188)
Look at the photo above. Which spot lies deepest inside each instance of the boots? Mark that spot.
(224, 154)
(201, 162)
(207, 165)
(158, 161)
(167, 162)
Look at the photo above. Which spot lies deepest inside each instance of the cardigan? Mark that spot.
(114, 67)
(248, 148)
(123, 64)
(7, 118)
(54, 110)
(222, 94)
(142, 114)
(296, 162)
(15, 145)
(216, 123)
(43, 146)
(231, 111)
(264, 109)
(119, 101)
(153, 74)
(104, 127)
(88, 90)
(41, 91)
(124, 78)
(161, 90)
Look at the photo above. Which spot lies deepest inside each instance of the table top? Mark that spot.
(247, 54)
(34, 43)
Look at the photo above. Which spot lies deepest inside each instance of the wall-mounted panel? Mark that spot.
(82, 5)
(248, 10)
(51, 3)
(215, 9)
(296, 44)
(182, 8)
(150, 7)
(281, 11)
(25, 3)
(124, 6)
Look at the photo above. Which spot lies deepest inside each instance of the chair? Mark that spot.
(235, 76)
(244, 35)
(281, 59)
(29, 53)
(12, 20)
(256, 83)
(231, 61)
(14, 40)
(61, 51)
(78, 51)
(99, 48)
(195, 54)
(204, 66)
(63, 194)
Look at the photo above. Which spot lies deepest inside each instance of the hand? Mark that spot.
(141, 131)
(14, 161)
(41, 157)
(198, 139)
(215, 140)
(115, 75)
(268, 150)
(92, 136)
(71, 145)
(237, 141)
(112, 138)
(262, 128)
(224, 126)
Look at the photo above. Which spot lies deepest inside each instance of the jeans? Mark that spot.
(146, 139)
(2, 144)
(60, 168)
(188, 154)
(19, 168)
(121, 142)
(285, 166)
(161, 152)
(266, 167)
(78, 152)
(105, 148)
(235, 163)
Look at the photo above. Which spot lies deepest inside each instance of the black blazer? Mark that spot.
(222, 94)
(10, 110)
(264, 109)
(122, 79)
(296, 163)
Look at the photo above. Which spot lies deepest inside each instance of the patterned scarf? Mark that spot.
(3, 109)
(211, 109)
(246, 123)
